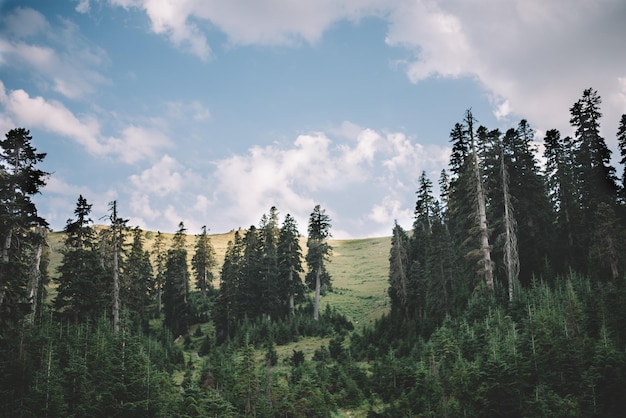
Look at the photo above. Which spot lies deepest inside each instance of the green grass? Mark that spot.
(359, 270)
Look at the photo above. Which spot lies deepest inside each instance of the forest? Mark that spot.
(506, 297)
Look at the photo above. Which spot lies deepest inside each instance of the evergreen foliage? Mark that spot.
(550, 341)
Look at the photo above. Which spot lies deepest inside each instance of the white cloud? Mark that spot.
(314, 167)
(82, 6)
(162, 179)
(133, 144)
(538, 56)
(533, 57)
(59, 56)
(267, 22)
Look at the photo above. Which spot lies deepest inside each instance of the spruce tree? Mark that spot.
(20, 180)
(176, 286)
(270, 292)
(593, 157)
(138, 281)
(289, 262)
(399, 269)
(203, 262)
(159, 254)
(621, 143)
(318, 254)
(83, 285)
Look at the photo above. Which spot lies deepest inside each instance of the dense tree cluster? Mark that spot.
(507, 298)
(505, 292)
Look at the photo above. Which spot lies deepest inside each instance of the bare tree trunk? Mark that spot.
(35, 275)
(5, 259)
(318, 285)
(292, 305)
(116, 273)
(485, 249)
(511, 255)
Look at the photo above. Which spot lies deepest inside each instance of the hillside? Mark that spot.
(359, 268)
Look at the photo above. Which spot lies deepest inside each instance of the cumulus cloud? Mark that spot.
(314, 167)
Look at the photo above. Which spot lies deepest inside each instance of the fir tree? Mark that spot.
(318, 254)
(203, 262)
(20, 180)
(290, 261)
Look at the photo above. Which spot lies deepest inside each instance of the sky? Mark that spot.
(211, 112)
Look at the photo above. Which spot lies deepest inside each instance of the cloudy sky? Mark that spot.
(212, 111)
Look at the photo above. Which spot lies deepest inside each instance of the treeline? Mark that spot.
(508, 298)
(112, 334)
(507, 295)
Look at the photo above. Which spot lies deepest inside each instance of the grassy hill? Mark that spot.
(359, 269)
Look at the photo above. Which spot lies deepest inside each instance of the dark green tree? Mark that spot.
(83, 285)
(138, 281)
(399, 269)
(251, 284)
(20, 180)
(176, 286)
(562, 184)
(593, 157)
(203, 262)
(290, 261)
(271, 297)
(318, 254)
(159, 254)
(621, 143)
(227, 309)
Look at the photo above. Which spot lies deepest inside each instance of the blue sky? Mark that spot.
(211, 112)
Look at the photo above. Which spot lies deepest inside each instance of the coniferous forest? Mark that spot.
(506, 297)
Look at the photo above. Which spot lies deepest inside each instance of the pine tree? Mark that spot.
(159, 255)
(593, 157)
(116, 236)
(270, 292)
(290, 261)
(562, 184)
(82, 282)
(20, 180)
(138, 282)
(227, 308)
(318, 254)
(621, 143)
(529, 197)
(203, 262)
(399, 269)
(176, 286)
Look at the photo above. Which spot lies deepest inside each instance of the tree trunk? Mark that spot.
(318, 285)
(485, 249)
(511, 255)
(35, 275)
(116, 283)
(5, 259)
(292, 307)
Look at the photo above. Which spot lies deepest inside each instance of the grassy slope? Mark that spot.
(358, 268)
